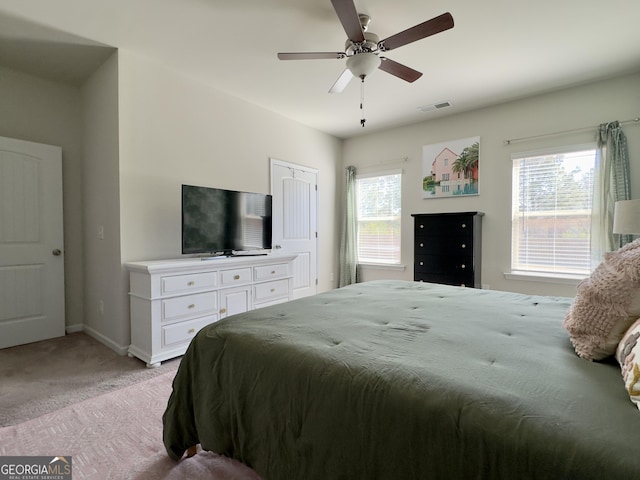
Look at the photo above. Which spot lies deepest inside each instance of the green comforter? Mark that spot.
(404, 380)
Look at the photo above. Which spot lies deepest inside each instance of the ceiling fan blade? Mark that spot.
(342, 81)
(346, 11)
(399, 70)
(425, 29)
(311, 55)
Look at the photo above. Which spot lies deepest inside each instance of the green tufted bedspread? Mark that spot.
(404, 380)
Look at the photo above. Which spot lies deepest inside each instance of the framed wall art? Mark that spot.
(450, 169)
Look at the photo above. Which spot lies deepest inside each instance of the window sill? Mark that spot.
(383, 266)
(564, 279)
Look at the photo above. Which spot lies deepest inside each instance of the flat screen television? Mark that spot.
(225, 222)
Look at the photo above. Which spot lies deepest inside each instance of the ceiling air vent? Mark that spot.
(434, 106)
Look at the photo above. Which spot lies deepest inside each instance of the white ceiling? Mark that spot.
(498, 50)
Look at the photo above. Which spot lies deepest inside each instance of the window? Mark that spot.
(551, 205)
(252, 225)
(378, 200)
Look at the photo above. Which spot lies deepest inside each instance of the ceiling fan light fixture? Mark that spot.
(363, 64)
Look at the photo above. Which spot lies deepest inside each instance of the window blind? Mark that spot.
(551, 206)
(253, 221)
(378, 200)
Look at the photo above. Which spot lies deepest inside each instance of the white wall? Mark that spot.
(101, 208)
(174, 130)
(47, 112)
(577, 107)
(131, 135)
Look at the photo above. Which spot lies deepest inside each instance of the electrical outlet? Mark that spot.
(100, 232)
(101, 307)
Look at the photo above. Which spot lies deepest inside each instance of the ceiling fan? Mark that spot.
(362, 48)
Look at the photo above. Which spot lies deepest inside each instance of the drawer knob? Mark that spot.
(421, 226)
(463, 245)
(191, 330)
(191, 283)
(273, 290)
(421, 245)
(464, 225)
(462, 285)
(273, 272)
(193, 305)
(421, 263)
(463, 266)
(236, 277)
(223, 310)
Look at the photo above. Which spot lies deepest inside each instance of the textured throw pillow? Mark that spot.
(634, 306)
(628, 356)
(602, 309)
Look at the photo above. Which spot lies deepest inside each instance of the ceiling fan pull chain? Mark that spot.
(362, 119)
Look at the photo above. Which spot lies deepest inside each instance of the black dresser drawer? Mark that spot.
(457, 280)
(451, 225)
(444, 245)
(443, 264)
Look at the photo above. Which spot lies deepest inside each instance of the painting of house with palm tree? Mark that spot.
(450, 168)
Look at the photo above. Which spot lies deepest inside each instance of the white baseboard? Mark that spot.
(78, 327)
(119, 349)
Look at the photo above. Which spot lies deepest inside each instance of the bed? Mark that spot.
(396, 379)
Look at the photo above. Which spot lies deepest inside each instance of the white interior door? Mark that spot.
(295, 225)
(31, 248)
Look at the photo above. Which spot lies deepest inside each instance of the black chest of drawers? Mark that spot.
(447, 248)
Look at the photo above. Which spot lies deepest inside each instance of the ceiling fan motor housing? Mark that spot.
(370, 44)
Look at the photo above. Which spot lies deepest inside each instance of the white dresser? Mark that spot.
(171, 300)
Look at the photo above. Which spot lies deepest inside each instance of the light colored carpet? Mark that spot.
(117, 435)
(41, 377)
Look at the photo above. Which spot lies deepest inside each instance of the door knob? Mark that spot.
(57, 252)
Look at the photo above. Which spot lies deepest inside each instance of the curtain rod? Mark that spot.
(576, 130)
(394, 160)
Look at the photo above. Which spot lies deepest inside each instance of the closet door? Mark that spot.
(295, 205)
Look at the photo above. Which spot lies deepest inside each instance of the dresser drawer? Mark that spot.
(236, 276)
(270, 271)
(443, 264)
(271, 290)
(184, 331)
(443, 244)
(458, 280)
(188, 283)
(452, 224)
(189, 306)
